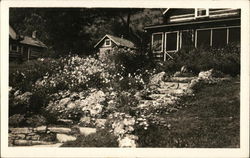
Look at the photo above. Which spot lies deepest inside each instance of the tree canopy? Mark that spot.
(76, 30)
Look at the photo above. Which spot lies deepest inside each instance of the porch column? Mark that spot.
(28, 53)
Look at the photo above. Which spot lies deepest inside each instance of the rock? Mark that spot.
(193, 83)
(86, 130)
(24, 130)
(138, 95)
(18, 136)
(59, 130)
(22, 142)
(93, 103)
(181, 79)
(48, 145)
(34, 137)
(85, 120)
(65, 121)
(40, 129)
(206, 74)
(71, 105)
(64, 102)
(157, 78)
(36, 142)
(62, 138)
(100, 123)
(184, 69)
(25, 97)
(10, 141)
(177, 74)
(31, 134)
(128, 141)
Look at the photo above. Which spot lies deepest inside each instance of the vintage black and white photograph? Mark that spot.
(124, 77)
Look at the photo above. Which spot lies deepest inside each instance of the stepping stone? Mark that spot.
(62, 138)
(158, 96)
(24, 130)
(181, 79)
(59, 130)
(30, 142)
(87, 130)
(49, 145)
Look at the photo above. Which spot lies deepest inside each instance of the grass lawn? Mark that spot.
(210, 119)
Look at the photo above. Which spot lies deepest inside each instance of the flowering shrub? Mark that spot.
(75, 87)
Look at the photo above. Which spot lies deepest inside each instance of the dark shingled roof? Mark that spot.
(122, 41)
(26, 39)
(118, 41)
(33, 42)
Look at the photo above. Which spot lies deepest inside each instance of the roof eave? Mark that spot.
(165, 11)
(186, 23)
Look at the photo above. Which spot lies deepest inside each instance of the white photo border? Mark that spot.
(243, 151)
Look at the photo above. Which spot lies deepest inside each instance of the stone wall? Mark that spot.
(44, 135)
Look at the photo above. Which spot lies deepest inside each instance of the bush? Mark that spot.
(16, 120)
(226, 60)
(22, 76)
(100, 139)
(132, 61)
(35, 120)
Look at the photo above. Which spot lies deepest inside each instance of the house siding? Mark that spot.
(185, 15)
(183, 20)
(103, 48)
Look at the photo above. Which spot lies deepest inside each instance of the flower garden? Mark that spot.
(118, 96)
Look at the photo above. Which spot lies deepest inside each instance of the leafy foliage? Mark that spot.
(226, 60)
(76, 30)
(100, 139)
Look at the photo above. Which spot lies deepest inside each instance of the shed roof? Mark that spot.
(26, 39)
(32, 41)
(118, 41)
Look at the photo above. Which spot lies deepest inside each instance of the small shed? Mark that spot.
(108, 42)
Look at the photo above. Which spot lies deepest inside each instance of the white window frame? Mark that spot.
(162, 39)
(211, 33)
(177, 43)
(181, 36)
(105, 42)
(200, 16)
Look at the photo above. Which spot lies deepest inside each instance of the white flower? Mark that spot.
(127, 142)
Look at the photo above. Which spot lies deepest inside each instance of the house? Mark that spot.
(194, 27)
(24, 47)
(108, 42)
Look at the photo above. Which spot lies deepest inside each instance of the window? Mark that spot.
(201, 12)
(171, 41)
(219, 37)
(203, 38)
(14, 47)
(157, 42)
(234, 35)
(186, 39)
(107, 42)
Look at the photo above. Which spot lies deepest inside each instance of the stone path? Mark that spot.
(167, 92)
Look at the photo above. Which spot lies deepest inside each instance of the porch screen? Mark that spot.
(203, 38)
(157, 43)
(234, 35)
(219, 37)
(171, 41)
(186, 39)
